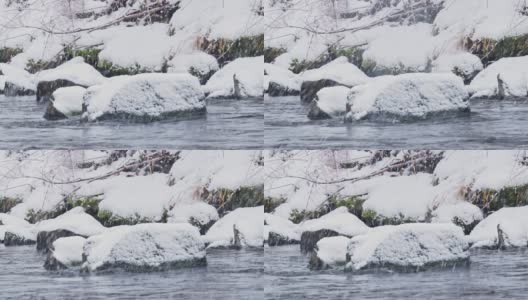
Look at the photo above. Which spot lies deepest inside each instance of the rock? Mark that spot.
(309, 239)
(505, 228)
(19, 236)
(238, 79)
(65, 102)
(408, 247)
(329, 252)
(198, 214)
(45, 239)
(407, 97)
(280, 82)
(66, 252)
(505, 78)
(72, 73)
(17, 82)
(200, 65)
(279, 231)
(144, 97)
(12, 89)
(337, 72)
(338, 220)
(240, 228)
(465, 65)
(461, 213)
(329, 102)
(144, 247)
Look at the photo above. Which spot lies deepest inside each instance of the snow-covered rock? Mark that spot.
(336, 222)
(74, 72)
(408, 246)
(242, 227)
(505, 78)
(462, 64)
(199, 64)
(280, 81)
(241, 78)
(6, 219)
(16, 226)
(330, 102)
(145, 97)
(145, 247)
(407, 96)
(65, 102)
(329, 251)
(199, 214)
(67, 252)
(17, 81)
(507, 227)
(336, 72)
(279, 231)
(460, 213)
(19, 235)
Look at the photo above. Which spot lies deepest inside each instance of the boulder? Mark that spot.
(241, 228)
(408, 247)
(465, 65)
(279, 231)
(144, 97)
(505, 228)
(19, 236)
(17, 82)
(65, 253)
(71, 73)
(329, 102)
(407, 97)
(238, 79)
(505, 78)
(198, 214)
(329, 252)
(337, 72)
(65, 102)
(280, 82)
(199, 64)
(45, 239)
(309, 239)
(144, 247)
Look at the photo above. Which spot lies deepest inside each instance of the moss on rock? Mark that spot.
(225, 200)
(90, 204)
(270, 203)
(7, 53)
(354, 55)
(271, 53)
(226, 50)
(490, 50)
(109, 219)
(373, 219)
(490, 200)
(109, 69)
(6, 203)
(89, 54)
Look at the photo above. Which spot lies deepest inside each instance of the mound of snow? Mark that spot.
(507, 77)
(17, 81)
(407, 96)
(74, 220)
(241, 78)
(144, 247)
(144, 96)
(329, 102)
(248, 221)
(338, 70)
(67, 252)
(18, 235)
(463, 64)
(199, 64)
(460, 213)
(6, 219)
(510, 221)
(74, 70)
(198, 214)
(330, 251)
(408, 246)
(279, 231)
(65, 102)
(280, 81)
(338, 220)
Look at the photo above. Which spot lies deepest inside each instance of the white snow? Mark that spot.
(332, 100)
(281, 226)
(461, 211)
(26, 232)
(407, 96)
(248, 220)
(513, 223)
(338, 70)
(462, 63)
(68, 100)
(6, 219)
(74, 70)
(143, 246)
(151, 95)
(281, 76)
(199, 62)
(407, 245)
(18, 76)
(68, 250)
(332, 250)
(512, 70)
(74, 220)
(248, 70)
(338, 220)
(198, 211)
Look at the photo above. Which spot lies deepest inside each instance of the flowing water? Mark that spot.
(492, 124)
(229, 274)
(229, 124)
(490, 275)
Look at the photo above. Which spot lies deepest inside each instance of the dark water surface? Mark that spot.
(229, 124)
(229, 274)
(491, 275)
(492, 124)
